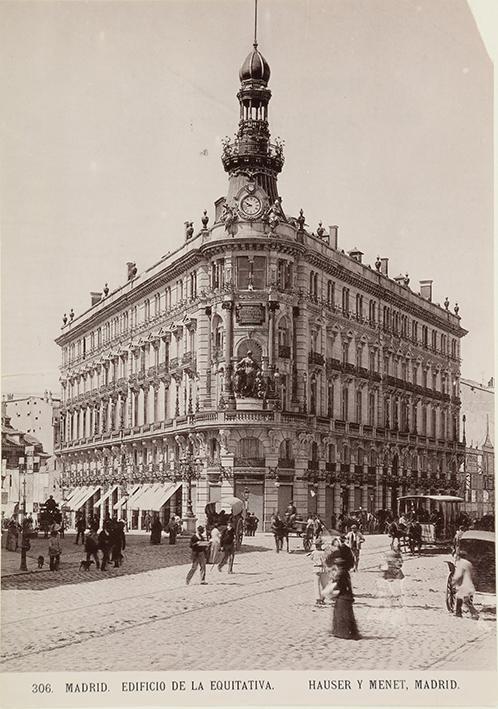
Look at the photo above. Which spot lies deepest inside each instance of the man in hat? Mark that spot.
(227, 547)
(354, 540)
(199, 547)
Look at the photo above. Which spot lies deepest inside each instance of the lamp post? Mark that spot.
(24, 526)
(186, 470)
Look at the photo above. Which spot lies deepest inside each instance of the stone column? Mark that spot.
(204, 356)
(337, 497)
(300, 486)
(227, 306)
(378, 488)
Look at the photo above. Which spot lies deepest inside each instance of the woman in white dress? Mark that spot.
(215, 544)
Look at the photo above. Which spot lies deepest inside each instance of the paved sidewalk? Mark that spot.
(261, 617)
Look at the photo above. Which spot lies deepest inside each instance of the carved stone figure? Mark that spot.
(245, 376)
(229, 217)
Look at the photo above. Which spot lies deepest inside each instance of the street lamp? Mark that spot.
(186, 470)
(24, 524)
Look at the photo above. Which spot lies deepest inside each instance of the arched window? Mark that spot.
(314, 451)
(313, 394)
(359, 406)
(345, 403)
(331, 293)
(330, 399)
(371, 409)
(286, 454)
(283, 334)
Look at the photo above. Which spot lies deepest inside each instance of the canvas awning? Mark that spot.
(78, 492)
(132, 503)
(73, 494)
(125, 498)
(106, 496)
(80, 501)
(156, 498)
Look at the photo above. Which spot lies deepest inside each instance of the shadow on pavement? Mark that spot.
(139, 557)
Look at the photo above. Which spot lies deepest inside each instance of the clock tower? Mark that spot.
(251, 160)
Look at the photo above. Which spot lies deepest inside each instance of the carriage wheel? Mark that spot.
(306, 542)
(239, 534)
(450, 594)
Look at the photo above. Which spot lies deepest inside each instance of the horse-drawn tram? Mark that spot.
(430, 520)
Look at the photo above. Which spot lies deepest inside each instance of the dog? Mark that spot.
(85, 565)
(41, 561)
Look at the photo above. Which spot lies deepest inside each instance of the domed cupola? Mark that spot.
(255, 67)
(251, 156)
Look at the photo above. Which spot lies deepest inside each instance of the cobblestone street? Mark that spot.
(144, 617)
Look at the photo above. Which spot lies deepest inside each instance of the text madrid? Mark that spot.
(160, 686)
(382, 684)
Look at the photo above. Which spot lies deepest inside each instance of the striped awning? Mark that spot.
(124, 500)
(78, 502)
(106, 496)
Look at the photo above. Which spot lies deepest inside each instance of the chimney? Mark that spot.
(333, 236)
(384, 266)
(356, 254)
(95, 298)
(426, 290)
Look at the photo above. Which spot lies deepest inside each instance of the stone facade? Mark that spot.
(477, 474)
(351, 395)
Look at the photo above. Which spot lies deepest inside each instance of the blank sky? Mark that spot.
(113, 115)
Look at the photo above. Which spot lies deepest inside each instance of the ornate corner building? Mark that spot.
(259, 360)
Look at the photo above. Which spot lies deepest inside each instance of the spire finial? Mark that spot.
(255, 43)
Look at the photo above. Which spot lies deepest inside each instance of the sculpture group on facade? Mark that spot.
(247, 377)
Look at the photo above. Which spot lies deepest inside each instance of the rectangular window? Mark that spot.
(251, 272)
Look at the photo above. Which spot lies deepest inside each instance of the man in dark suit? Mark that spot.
(199, 547)
(228, 548)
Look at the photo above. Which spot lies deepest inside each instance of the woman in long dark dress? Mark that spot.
(156, 530)
(343, 620)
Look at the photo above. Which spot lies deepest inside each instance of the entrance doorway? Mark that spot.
(285, 496)
(254, 497)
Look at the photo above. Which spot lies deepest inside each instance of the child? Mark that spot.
(319, 570)
(54, 550)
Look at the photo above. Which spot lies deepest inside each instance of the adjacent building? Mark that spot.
(38, 416)
(259, 359)
(25, 477)
(477, 474)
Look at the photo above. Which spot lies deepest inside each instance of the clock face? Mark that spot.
(250, 205)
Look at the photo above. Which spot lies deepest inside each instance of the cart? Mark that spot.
(480, 548)
(297, 527)
(221, 512)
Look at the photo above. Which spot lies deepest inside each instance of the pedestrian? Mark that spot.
(117, 542)
(12, 540)
(215, 544)
(463, 581)
(54, 550)
(354, 540)
(254, 524)
(80, 529)
(456, 541)
(92, 547)
(104, 546)
(156, 531)
(172, 529)
(199, 547)
(277, 529)
(147, 522)
(320, 571)
(343, 620)
(392, 585)
(340, 550)
(228, 547)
